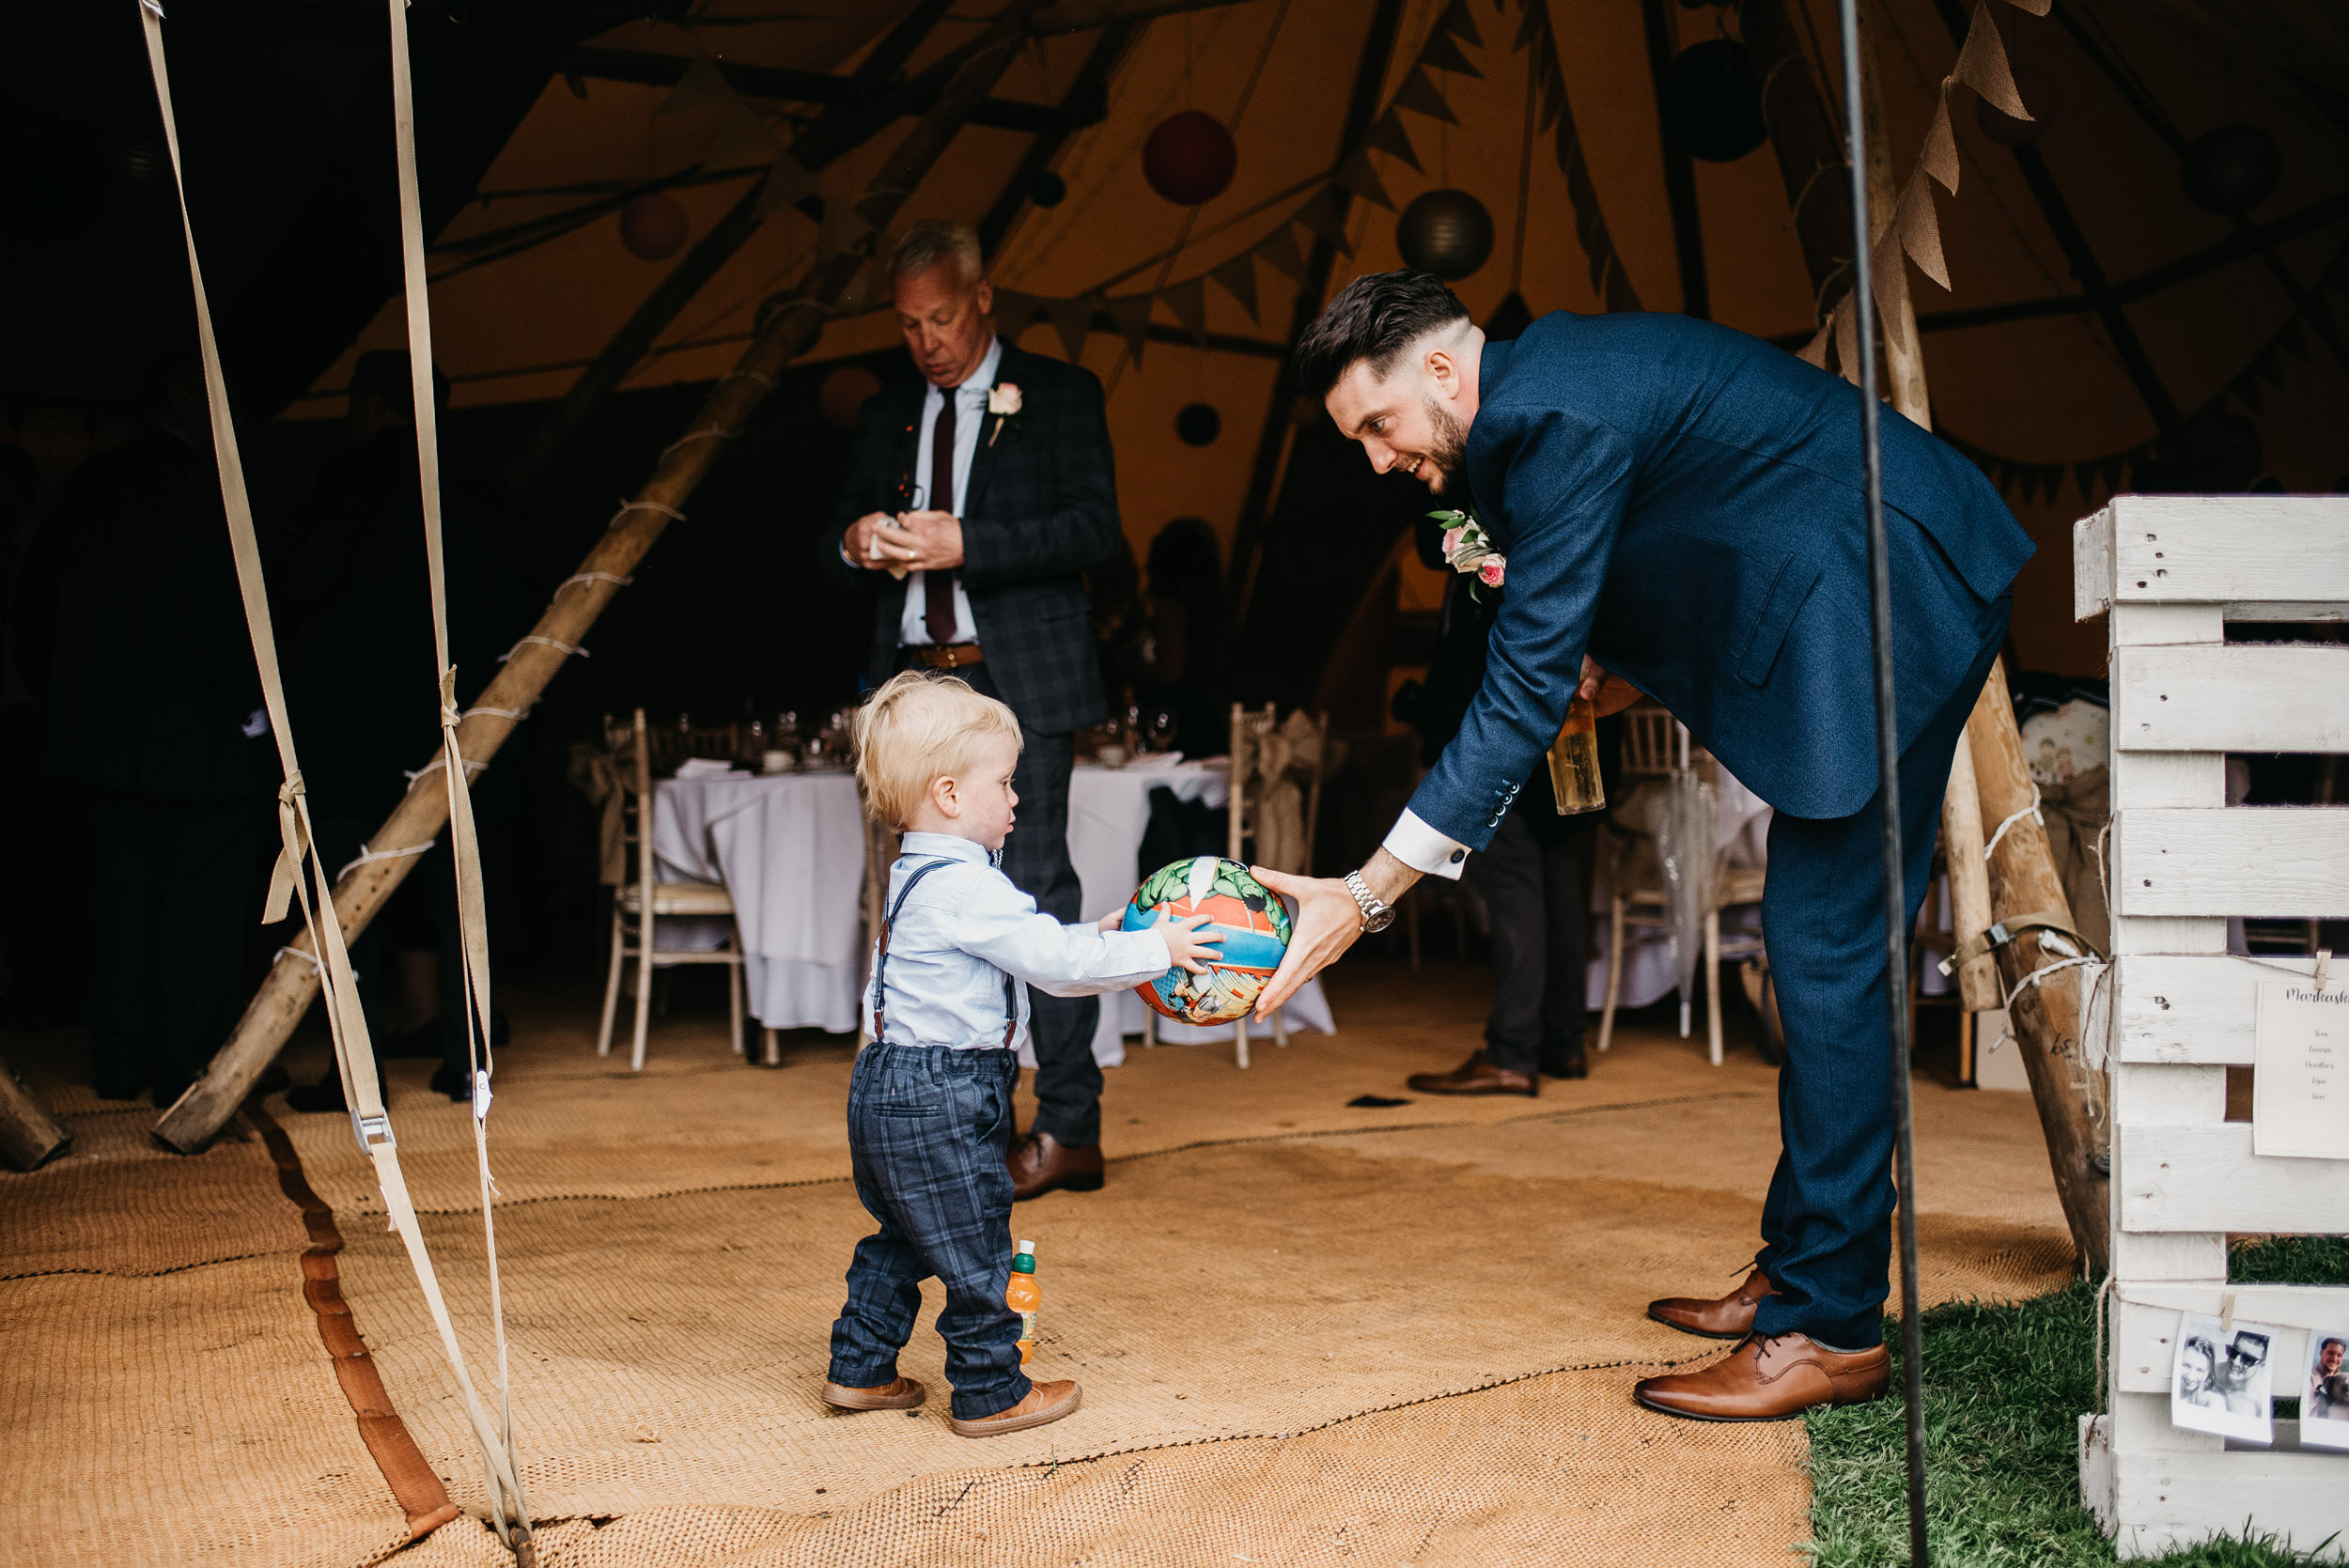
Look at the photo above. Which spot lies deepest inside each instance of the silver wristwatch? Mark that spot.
(1375, 916)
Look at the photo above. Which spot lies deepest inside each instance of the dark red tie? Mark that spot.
(938, 587)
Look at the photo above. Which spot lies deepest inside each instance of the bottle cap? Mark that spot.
(1025, 1246)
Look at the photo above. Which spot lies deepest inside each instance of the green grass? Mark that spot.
(2004, 1390)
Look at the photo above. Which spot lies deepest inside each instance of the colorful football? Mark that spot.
(1254, 926)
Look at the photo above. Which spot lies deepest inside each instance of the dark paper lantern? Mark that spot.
(1047, 189)
(2232, 169)
(843, 394)
(1198, 424)
(2039, 97)
(653, 227)
(1189, 157)
(1445, 232)
(1711, 102)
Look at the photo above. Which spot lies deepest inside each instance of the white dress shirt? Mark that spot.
(965, 928)
(970, 414)
(1423, 850)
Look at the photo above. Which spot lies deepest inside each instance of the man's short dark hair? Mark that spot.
(1375, 318)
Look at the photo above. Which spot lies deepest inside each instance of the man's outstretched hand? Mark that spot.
(1605, 691)
(1328, 919)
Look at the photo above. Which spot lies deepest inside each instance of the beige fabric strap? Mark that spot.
(2004, 931)
(504, 1475)
(355, 1054)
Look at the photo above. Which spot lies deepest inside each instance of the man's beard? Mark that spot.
(1448, 446)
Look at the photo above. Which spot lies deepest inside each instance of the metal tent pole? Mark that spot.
(1888, 780)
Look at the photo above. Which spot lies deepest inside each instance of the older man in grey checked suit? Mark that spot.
(992, 540)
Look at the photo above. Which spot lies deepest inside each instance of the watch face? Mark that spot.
(1372, 925)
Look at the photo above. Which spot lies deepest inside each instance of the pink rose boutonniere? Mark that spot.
(1003, 401)
(1466, 548)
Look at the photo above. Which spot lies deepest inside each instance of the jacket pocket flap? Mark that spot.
(1796, 578)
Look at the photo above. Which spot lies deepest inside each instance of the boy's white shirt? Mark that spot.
(965, 928)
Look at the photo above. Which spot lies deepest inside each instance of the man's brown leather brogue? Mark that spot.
(1041, 1162)
(1727, 1317)
(1769, 1380)
(1476, 1075)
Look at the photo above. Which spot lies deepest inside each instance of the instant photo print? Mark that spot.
(2222, 1380)
(2324, 1390)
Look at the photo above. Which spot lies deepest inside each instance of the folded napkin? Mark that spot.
(709, 768)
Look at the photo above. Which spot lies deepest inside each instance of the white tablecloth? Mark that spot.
(790, 849)
(1741, 830)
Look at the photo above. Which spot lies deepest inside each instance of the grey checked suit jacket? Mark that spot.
(1040, 507)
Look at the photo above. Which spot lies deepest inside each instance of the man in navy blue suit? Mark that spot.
(1679, 508)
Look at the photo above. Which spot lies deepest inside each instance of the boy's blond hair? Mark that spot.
(915, 730)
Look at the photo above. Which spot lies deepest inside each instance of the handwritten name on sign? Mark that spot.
(2300, 1091)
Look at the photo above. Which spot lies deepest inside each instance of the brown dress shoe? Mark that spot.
(1730, 1317)
(1044, 1401)
(898, 1393)
(1769, 1380)
(1476, 1075)
(1041, 1162)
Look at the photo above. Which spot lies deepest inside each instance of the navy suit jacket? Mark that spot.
(1039, 507)
(1684, 501)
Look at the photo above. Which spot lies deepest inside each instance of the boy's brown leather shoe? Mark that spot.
(1044, 1401)
(1729, 1317)
(1769, 1380)
(898, 1393)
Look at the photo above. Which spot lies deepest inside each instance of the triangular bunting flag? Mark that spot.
(1848, 340)
(1982, 65)
(1442, 52)
(1015, 313)
(1920, 229)
(2084, 475)
(2036, 8)
(1327, 219)
(1419, 94)
(703, 82)
(1553, 94)
(1072, 320)
(1884, 281)
(742, 138)
(787, 185)
(1356, 174)
(1386, 136)
(1239, 278)
(2269, 366)
(1814, 351)
(1460, 24)
(1279, 251)
(1131, 312)
(1188, 299)
(1939, 156)
(1535, 23)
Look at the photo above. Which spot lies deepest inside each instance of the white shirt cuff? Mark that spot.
(1423, 850)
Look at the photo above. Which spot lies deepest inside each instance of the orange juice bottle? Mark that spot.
(1024, 1297)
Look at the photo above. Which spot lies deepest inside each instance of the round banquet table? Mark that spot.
(790, 849)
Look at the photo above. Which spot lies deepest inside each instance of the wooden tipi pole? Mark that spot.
(285, 996)
(28, 1134)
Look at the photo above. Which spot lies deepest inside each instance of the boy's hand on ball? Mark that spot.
(1114, 921)
(1186, 945)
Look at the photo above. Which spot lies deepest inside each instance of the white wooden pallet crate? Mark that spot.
(2169, 571)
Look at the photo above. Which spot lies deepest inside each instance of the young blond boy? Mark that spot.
(930, 1103)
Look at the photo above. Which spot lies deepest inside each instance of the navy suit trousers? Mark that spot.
(1826, 1226)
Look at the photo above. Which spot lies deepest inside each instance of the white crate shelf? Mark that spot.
(2168, 572)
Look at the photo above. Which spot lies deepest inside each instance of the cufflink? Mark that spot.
(1458, 855)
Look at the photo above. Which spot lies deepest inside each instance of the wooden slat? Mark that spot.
(2240, 550)
(2163, 1502)
(2240, 698)
(2145, 1323)
(2162, 1094)
(2091, 566)
(2206, 1178)
(2177, 1008)
(2147, 625)
(2139, 1424)
(2260, 860)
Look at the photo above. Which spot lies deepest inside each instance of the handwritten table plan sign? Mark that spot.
(2300, 1087)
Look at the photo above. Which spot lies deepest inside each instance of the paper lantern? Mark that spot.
(1445, 232)
(843, 395)
(1711, 103)
(1198, 424)
(2039, 97)
(1047, 189)
(1189, 157)
(653, 227)
(2232, 169)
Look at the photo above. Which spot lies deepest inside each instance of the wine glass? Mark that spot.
(1163, 728)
